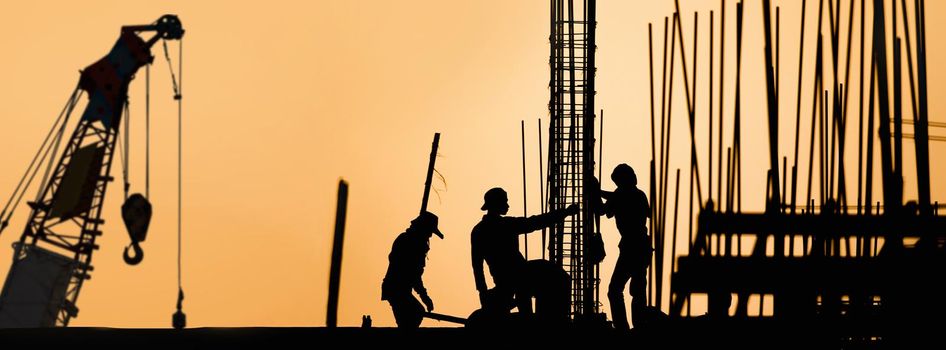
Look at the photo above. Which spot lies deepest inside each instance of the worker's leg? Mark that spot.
(638, 272)
(622, 272)
(501, 297)
(408, 312)
(523, 297)
(638, 296)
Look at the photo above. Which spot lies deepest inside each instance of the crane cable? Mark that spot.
(125, 152)
(179, 319)
(148, 131)
(46, 150)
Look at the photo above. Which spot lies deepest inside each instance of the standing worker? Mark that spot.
(628, 205)
(405, 269)
(495, 240)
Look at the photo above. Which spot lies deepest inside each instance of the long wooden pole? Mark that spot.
(335, 272)
(430, 171)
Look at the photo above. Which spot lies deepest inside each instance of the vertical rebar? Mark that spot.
(897, 112)
(801, 53)
(860, 119)
(525, 194)
(869, 166)
(709, 149)
(922, 125)
(722, 78)
(673, 243)
(542, 200)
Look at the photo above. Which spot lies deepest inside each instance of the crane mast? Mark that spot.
(53, 256)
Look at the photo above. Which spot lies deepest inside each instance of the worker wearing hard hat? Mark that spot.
(405, 268)
(628, 205)
(495, 240)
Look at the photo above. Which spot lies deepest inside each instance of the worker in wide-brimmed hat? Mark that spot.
(405, 269)
(495, 240)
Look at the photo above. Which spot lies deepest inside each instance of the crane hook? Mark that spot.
(139, 254)
(136, 212)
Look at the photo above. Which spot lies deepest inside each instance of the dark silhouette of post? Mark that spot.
(335, 274)
(430, 171)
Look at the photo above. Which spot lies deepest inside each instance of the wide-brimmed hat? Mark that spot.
(427, 220)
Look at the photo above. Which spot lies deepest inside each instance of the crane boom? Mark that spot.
(53, 256)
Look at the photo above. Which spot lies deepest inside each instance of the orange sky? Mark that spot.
(284, 97)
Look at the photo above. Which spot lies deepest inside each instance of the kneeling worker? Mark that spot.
(495, 240)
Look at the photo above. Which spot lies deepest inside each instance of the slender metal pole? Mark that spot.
(897, 111)
(691, 101)
(683, 56)
(653, 152)
(833, 121)
(148, 131)
(657, 199)
(653, 234)
(601, 147)
(709, 148)
(847, 63)
(784, 178)
(842, 137)
(729, 184)
(737, 122)
(551, 191)
(801, 53)
(910, 58)
(869, 167)
(335, 272)
(665, 170)
(694, 162)
(722, 78)
(921, 126)
(590, 270)
(893, 195)
(650, 57)
(673, 243)
(821, 152)
(772, 104)
(525, 194)
(541, 187)
(833, 24)
(860, 120)
(815, 100)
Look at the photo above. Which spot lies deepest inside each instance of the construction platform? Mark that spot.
(671, 334)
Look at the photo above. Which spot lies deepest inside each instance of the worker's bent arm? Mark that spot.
(477, 257)
(419, 287)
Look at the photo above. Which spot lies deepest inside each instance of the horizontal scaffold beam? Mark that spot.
(827, 225)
